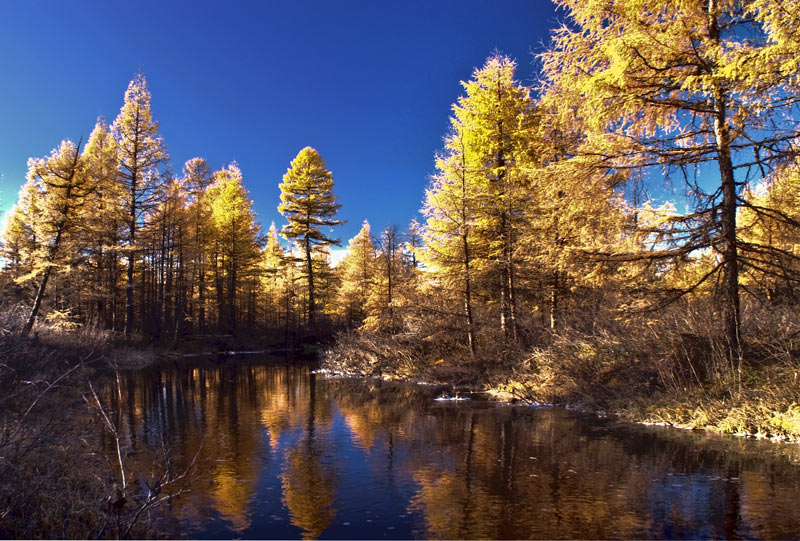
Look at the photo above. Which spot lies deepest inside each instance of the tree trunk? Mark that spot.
(113, 281)
(554, 303)
(36, 303)
(218, 288)
(389, 292)
(730, 293)
(473, 346)
(129, 315)
(201, 296)
(468, 300)
(504, 314)
(180, 297)
(310, 269)
(232, 280)
(509, 278)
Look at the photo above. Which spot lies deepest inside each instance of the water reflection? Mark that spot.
(286, 455)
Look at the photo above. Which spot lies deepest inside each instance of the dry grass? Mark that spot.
(672, 368)
(675, 370)
(57, 482)
(375, 355)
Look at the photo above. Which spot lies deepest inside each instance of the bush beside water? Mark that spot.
(57, 481)
(671, 370)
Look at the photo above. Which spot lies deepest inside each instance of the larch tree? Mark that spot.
(197, 177)
(273, 276)
(310, 207)
(770, 225)
(164, 241)
(236, 236)
(357, 274)
(103, 224)
(494, 121)
(141, 153)
(703, 89)
(576, 212)
(413, 241)
(19, 234)
(577, 215)
(389, 275)
(326, 282)
(450, 245)
(64, 191)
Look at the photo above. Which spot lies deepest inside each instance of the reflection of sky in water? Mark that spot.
(289, 455)
(688, 506)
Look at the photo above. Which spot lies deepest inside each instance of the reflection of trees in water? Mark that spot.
(375, 409)
(507, 472)
(549, 474)
(453, 504)
(478, 470)
(309, 484)
(219, 408)
(309, 489)
(284, 401)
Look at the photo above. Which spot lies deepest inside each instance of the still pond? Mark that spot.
(283, 452)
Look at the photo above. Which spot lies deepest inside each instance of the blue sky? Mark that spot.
(368, 84)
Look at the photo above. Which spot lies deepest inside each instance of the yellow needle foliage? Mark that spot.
(704, 90)
(357, 274)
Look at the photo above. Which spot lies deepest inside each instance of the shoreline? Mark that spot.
(697, 410)
(693, 411)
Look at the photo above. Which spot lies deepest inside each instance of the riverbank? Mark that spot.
(67, 471)
(63, 469)
(288, 453)
(603, 374)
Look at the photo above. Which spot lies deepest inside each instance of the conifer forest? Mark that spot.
(546, 265)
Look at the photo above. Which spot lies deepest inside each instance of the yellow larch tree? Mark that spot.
(696, 89)
(141, 153)
(310, 207)
(326, 284)
(64, 187)
(102, 229)
(575, 213)
(274, 275)
(236, 244)
(19, 235)
(770, 224)
(494, 121)
(450, 244)
(356, 273)
(165, 243)
(393, 271)
(197, 177)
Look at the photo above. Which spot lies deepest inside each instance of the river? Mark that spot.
(283, 452)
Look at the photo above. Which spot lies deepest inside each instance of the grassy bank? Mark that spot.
(672, 370)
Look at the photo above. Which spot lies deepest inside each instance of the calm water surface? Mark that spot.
(286, 453)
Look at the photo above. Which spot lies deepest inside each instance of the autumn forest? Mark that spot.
(621, 235)
(540, 263)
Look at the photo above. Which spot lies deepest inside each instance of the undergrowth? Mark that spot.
(57, 480)
(671, 370)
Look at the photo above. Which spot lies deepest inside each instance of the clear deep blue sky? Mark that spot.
(368, 84)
